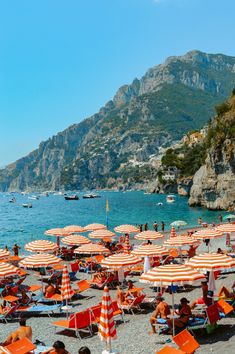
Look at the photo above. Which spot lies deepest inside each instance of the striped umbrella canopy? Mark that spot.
(101, 234)
(116, 261)
(211, 261)
(75, 240)
(171, 274)
(180, 241)
(150, 250)
(40, 260)
(66, 289)
(4, 254)
(207, 233)
(95, 227)
(173, 233)
(126, 246)
(7, 270)
(148, 235)
(92, 248)
(126, 229)
(178, 223)
(59, 232)
(226, 228)
(107, 330)
(74, 228)
(41, 246)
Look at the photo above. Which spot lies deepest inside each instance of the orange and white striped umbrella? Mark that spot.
(66, 289)
(211, 261)
(180, 241)
(126, 246)
(148, 235)
(74, 229)
(126, 229)
(116, 261)
(41, 246)
(95, 227)
(4, 254)
(173, 233)
(107, 330)
(39, 260)
(7, 270)
(226, 228)
(207, 233)
(172, 274)
(59, 232)
(100, 234)
(75, 240)
(150, 250)
(92, 248)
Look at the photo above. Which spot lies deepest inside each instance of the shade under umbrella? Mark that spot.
(101, 234)
(148, 235)
(41, 246)
(40, 260)
(75, 240)
(126, 229)
(178, 223)
(4, 254)
(226, 228)
(116, 261)
(211, 261)
(95, 227)
(150, 250)
(92, 248)
(179, 241)
(74, 228)
(7, 270)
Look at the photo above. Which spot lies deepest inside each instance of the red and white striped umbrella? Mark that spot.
(211, 261)
(40, 260)
(173, 233)
(172, 274)
(100, 234)
(126, 246)
(207, 233)
(41, 246)
(7, 270)
(66, 289)
(226, 228)
(95, 227)
(75, 240)
(126, 229)
(150, 250)
(74, 229)
(107, 330)
(4, 254)
(148, 235)
(92, 248)
(179, 241)
(116, 261)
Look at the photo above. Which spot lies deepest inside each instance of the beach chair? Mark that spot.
(117, 311)
(134, 305)
(186, 342)
(39, 309)
(21, 346)
(10, 314)
(213, 314)
(74, 269)
(83, 285)
(224, 307)
(170, 350)
(95, 312)
(77, 322)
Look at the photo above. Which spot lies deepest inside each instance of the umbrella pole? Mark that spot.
(173, 307)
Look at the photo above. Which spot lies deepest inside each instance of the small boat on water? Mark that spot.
(13, 200)
(27, 205)
(71, 197)
(160, 203)
(170, 198)
(33, 197)
(91, 196)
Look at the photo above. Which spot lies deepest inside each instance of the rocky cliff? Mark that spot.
(115, 147)
(214, 183)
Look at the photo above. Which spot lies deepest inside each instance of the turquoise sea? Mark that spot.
(23, 225)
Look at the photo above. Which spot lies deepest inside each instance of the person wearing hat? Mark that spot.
(184, 313)
(162, 311)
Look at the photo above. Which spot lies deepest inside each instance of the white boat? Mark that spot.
(33, 197)
(27, 205)
(170, 199)
(159, 203)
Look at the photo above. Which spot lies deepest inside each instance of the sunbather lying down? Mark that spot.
(22, 332)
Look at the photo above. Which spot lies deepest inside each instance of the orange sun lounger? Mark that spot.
(22, 346)
(186, 342)
(170, 350)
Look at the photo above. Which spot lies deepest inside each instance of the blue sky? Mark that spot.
(60, 61)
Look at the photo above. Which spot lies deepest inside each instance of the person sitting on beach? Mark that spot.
(205, 299)
(99, 277)
(162, 311)
(22, 332)
(184, 313)
(50, 290)
(219, 251)
(58, 348)
(8, 291)
(4, 308)
(84, 350)
(121, 297)
(24, 300)
(192, 251)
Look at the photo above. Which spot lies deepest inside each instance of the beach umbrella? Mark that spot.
(57, 232)
(106, 329)
(148, 235)
(39, 260)
(4, 254)
(118, 260)
(126, 229)
(101, 234)
(75, 240)
(173, 233)
(226, 228)
(67, 291)
(7, 270)
(151, 251)
(178, 223)
(127, 247)
(206, 262)
(95, 227)
(170, 275)
(179, 241)
(92, 248)
(229, 217)
(41, 246)
(207, 234)
(74, 229)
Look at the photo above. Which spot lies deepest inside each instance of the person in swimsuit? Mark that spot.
(184, 313)
(162, 311)
(22, 332)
